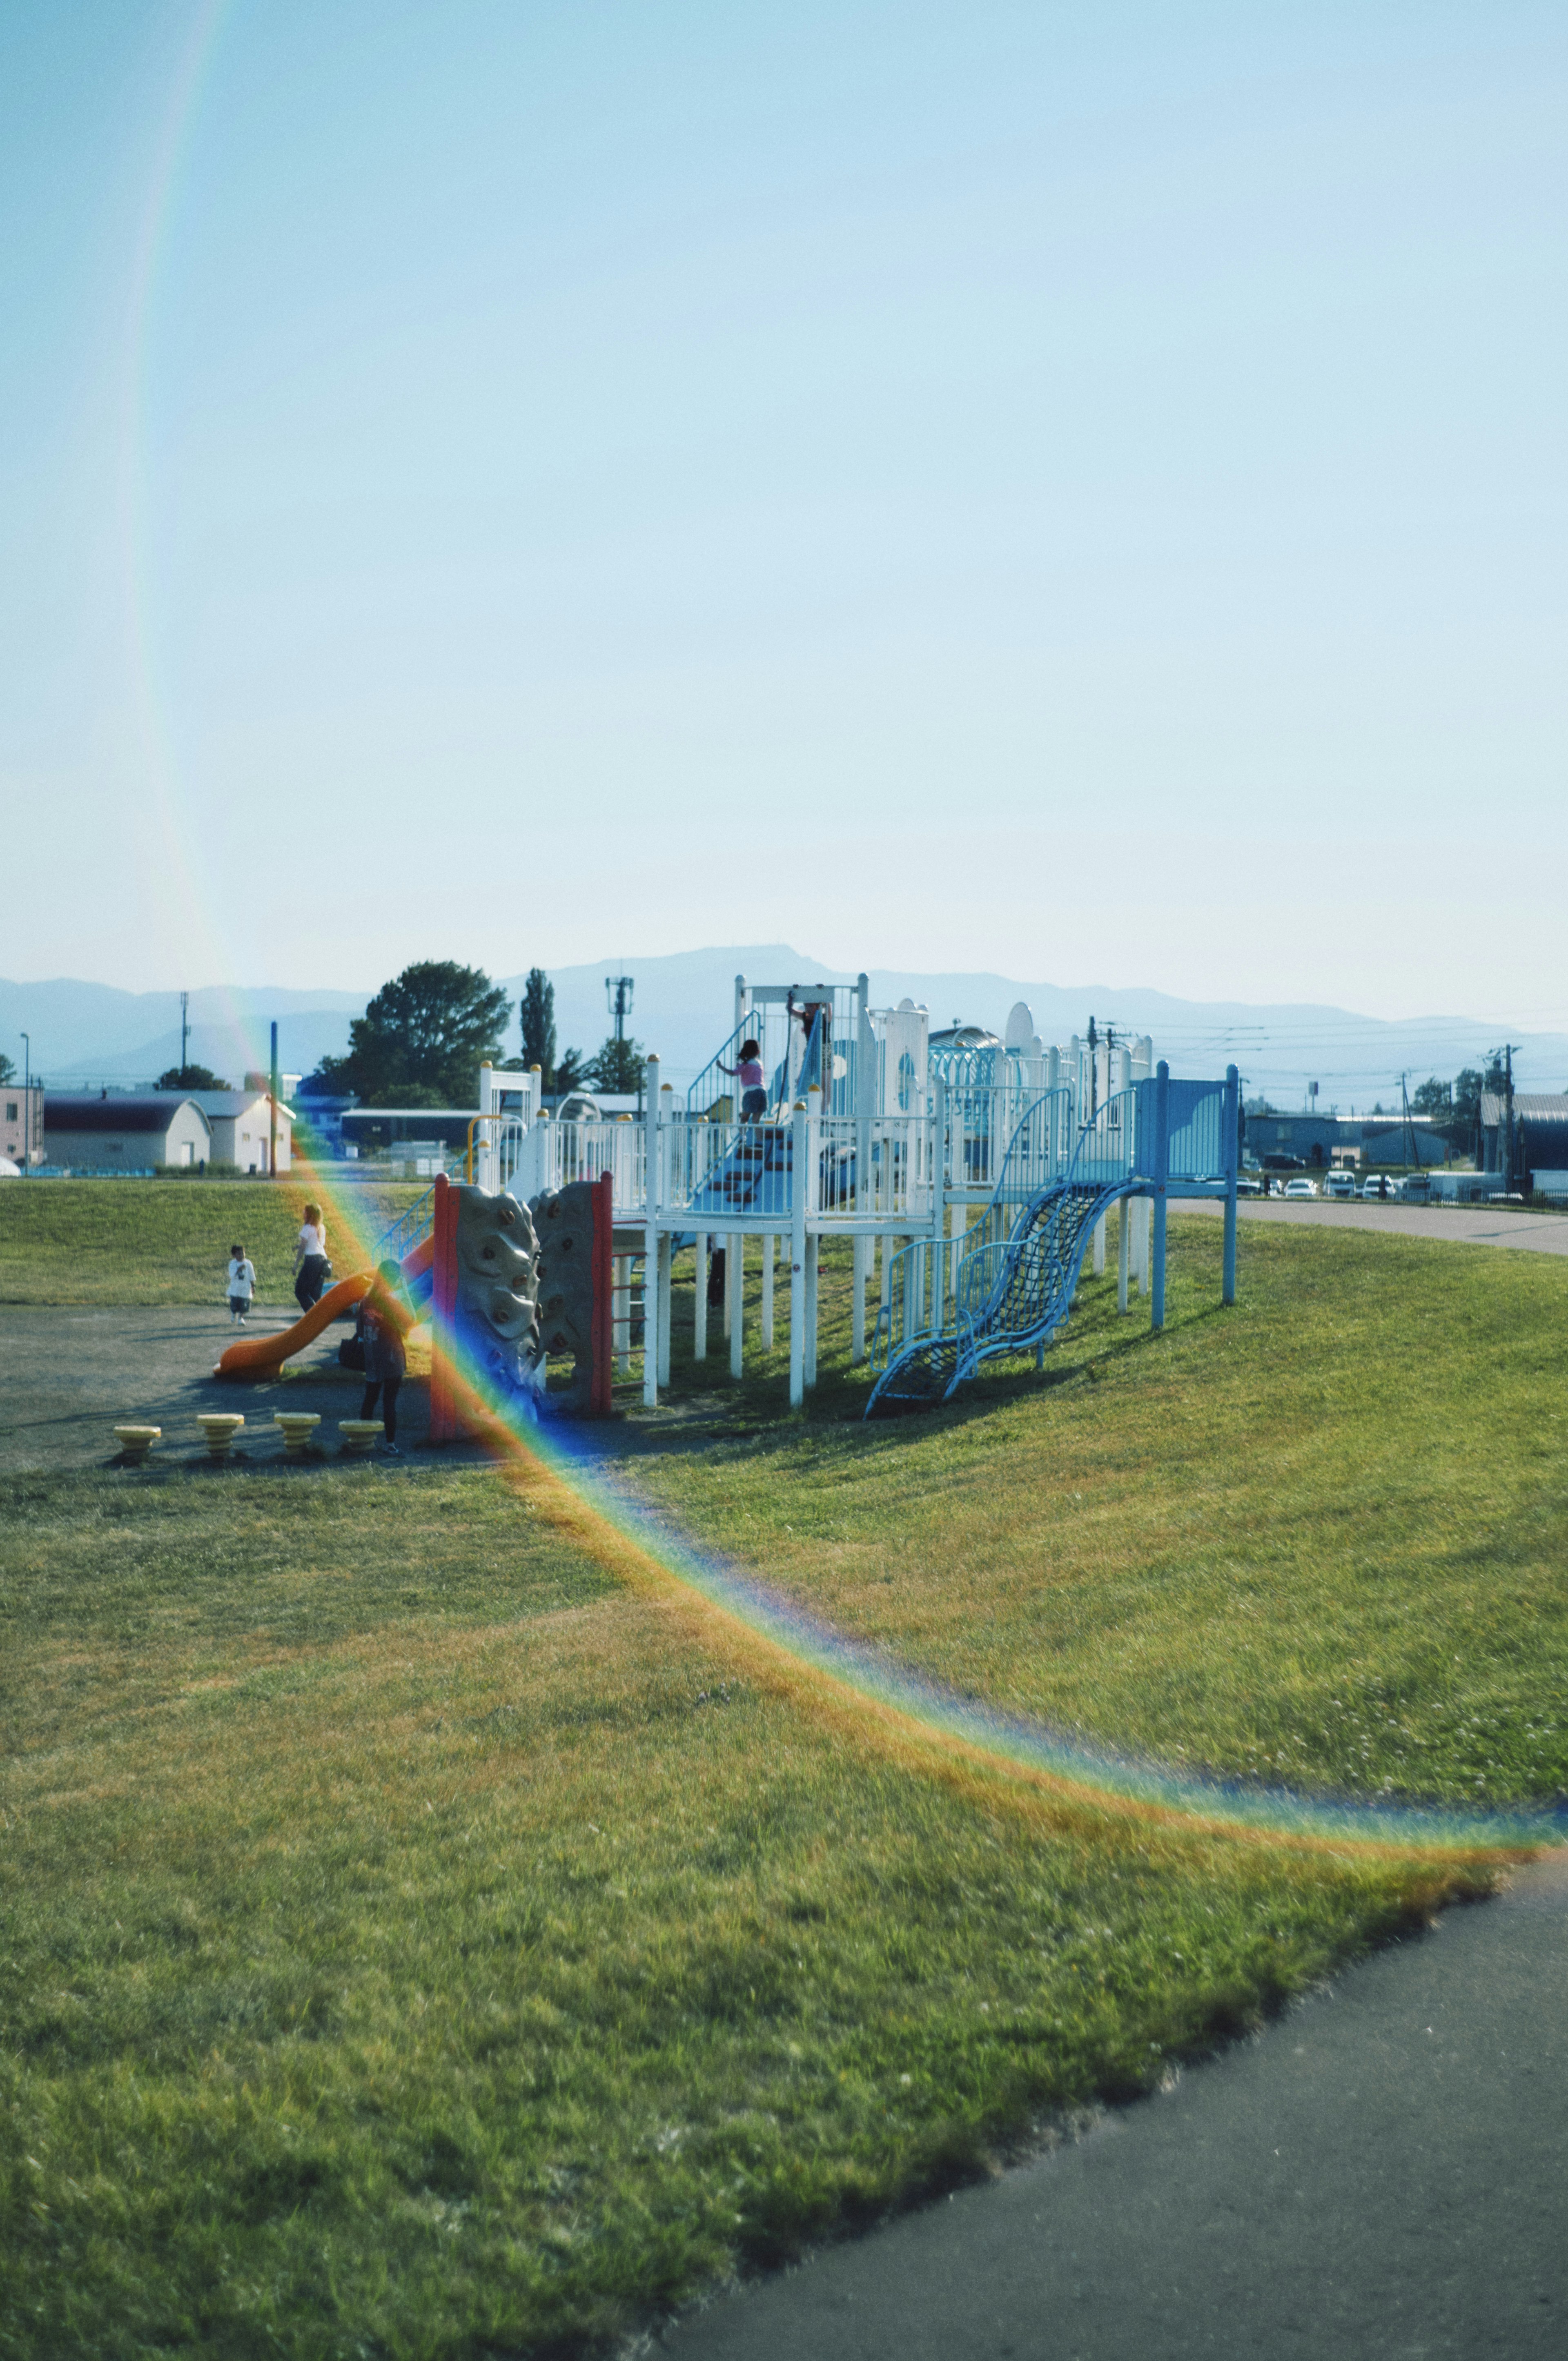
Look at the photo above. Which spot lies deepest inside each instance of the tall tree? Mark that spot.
(423, 1038)
(537, 1011)
(572, 1071)
(7, 1070)
(191, 1078)
(618, 1067)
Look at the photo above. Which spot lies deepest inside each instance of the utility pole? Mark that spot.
(1508, 1115)
(272, 1106)
(184, 1033)
(26, 1107)
(1407, 1127)
(1093, 1073)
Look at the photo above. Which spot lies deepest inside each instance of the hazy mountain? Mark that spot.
(683, 1006)
(91, 1032)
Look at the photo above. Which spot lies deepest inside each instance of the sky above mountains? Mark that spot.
(1068, 491)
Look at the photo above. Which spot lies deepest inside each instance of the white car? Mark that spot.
(1380, 1186)
(1301, 1187)
(1340, 1184)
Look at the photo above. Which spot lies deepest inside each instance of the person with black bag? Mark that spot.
(382, 1329)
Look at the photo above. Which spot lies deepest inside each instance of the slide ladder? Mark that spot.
(1017, 1269)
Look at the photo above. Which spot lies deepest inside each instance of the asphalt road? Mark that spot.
(1480, 1225)
(1382, 2173)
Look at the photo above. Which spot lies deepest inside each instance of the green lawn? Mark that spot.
(1321, 1538)
(117, 1242)
(418, 1944)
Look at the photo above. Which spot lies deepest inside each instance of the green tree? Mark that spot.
(537, 1011)
(191, 1078)
(618, 1067)
(571, 1073)
(7, 1070)
(423, 1038)
(1467, 1090)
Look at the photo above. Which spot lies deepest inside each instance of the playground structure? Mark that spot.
(973, 1182)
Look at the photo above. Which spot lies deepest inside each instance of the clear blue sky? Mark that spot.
(1077, 490)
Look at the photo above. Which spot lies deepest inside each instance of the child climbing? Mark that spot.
(753, 1087)
(385, 1360)
(311, 1264)
(241, 1286)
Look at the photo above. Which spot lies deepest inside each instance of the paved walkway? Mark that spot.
(1481, 1226)
(1382, 2176)
(69, 1372)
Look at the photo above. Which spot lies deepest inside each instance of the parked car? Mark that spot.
(1415, 1188)
(1340, 1184)
(1378, 1184)
(1301, 1187)
(1249, 1185)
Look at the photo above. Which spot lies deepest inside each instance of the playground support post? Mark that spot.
(1161, 1173)
(865, 1109)
(729, 1284)
(1124, 1210)
(666, 1243)
(810, 1191)
(858, 1302)
(666, 1267)
(938, 1200)
(442, 1306)
(798, 1255)
(700, 1291)
(603, 1294)
(812, 1263)
(735, 1286)
(623, 1315)
(1233, 1087)
(651, 1271)
(770, 1249)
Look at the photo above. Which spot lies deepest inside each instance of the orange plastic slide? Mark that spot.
(252, 1354)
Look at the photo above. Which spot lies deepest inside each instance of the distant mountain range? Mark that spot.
(682, 1007)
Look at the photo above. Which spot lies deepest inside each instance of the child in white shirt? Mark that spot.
(242, 1285)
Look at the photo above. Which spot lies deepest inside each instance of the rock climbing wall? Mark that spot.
(497, 1310)
(564, 1223)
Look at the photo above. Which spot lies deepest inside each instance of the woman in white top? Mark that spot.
(310, 1259)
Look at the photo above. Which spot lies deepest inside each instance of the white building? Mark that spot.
(22, 1123)
(241, 1125)
(124, 1131)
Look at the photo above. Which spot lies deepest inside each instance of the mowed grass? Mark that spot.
(1321, 1539)
(122, 1242)
(416, 1946)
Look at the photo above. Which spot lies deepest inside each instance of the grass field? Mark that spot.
(417, 1944)
(1320, 1538)
(113, 1242)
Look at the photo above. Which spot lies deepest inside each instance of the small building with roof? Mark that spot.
(1540, 1133)
(124, 1131)
(241, 1124)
